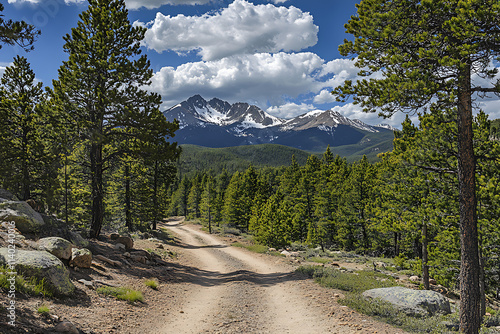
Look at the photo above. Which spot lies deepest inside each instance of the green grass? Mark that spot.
(152, 283)
(43, 310)
(31, 286)
(122, 293)
(318, 259)
(256, 248)
(354, 284)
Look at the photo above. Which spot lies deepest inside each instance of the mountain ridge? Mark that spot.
(217, 123)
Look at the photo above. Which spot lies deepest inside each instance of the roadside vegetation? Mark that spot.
(29, 286)
(122, 293)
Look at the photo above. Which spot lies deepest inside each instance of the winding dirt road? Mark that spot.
(231, 290)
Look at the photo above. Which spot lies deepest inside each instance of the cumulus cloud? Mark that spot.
(241, 28)
(150, 4)
(290, 110)
(262, 77)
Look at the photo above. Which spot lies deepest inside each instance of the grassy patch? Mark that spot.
(387, 313)
(152, 283)
(43, 310)
(122, 293)
(318, 259)
(32, 286)
(252, 247)
(354, 284)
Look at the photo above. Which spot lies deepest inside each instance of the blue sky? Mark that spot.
(281, 55)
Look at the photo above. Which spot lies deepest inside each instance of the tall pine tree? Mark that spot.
(100, 86)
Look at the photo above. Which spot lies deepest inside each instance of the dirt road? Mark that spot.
(231, 290)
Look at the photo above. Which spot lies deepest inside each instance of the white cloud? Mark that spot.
(262, 77)
(289, 110)
(150, 4)
(39, 1)
(325, 96)
(241, 28)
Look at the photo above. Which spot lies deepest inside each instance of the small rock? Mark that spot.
(66, 327)
(119, 246)
(81, 258)
(272, 249)
(294, 254)
(127, 241)
(414, 278)
(88, 284)
(336, 295)
(286, 253)
(160, 246)
(126, 254)
(432, 281)
(139, 258)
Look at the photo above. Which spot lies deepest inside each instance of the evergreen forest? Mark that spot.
(94, 149)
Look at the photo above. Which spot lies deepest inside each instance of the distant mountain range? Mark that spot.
(217, 123)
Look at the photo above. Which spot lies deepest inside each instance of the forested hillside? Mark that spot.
(238, 158)
(403, 206)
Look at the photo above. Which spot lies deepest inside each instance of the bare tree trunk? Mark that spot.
(470, 318)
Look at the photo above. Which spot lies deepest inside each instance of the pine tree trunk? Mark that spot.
(97, 189)
(128, 211)
(26, 194)
(425, 266)
(470, 318)
(155, 197)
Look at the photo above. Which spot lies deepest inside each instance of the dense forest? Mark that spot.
(403, 206)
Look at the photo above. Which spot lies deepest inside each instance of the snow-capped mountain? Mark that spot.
(217, 123)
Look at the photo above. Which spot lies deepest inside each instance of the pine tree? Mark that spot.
(100, 87)
(22, 128)
(17, 33)
(427, 53)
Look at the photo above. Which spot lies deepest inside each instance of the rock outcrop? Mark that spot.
(27, 220)
(412, 302)
(42, 265)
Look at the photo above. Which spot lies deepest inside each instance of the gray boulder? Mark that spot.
(412, 302)
(56, 246)
(27, 220)
(77, 239)
(42, 265)
(6, 195)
